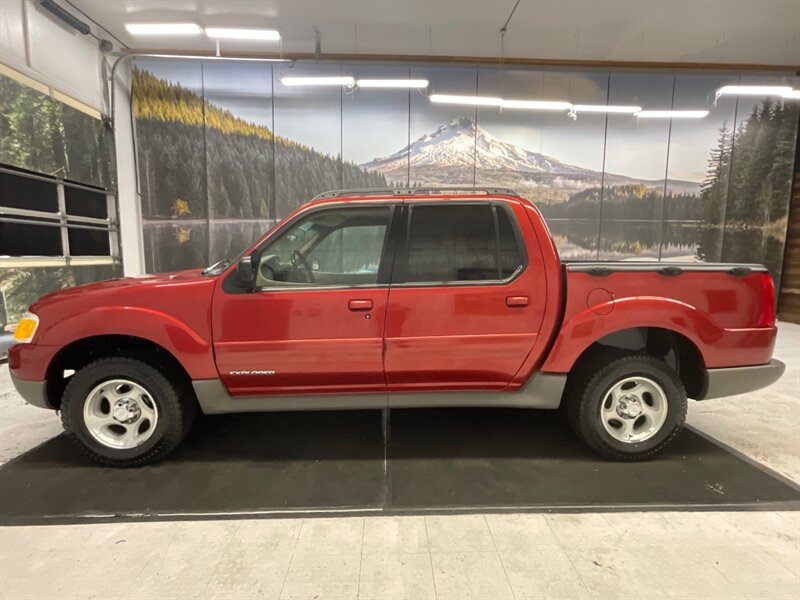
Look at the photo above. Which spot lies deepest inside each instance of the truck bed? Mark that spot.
(726, 310)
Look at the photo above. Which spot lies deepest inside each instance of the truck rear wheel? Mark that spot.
(629, 408)
(123, 412)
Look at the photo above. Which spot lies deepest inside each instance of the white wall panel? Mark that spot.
(128, 200)
(66, 59)
(12, 36)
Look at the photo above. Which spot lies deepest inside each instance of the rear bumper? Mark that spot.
(731, 381)
(33, 392)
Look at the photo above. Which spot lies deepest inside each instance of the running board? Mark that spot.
(543, 390)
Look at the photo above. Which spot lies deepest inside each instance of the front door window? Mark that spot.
(331, 247)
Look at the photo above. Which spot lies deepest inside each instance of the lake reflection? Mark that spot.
(187, 244)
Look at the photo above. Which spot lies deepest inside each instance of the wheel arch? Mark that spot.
(674, 348)
(79, 353)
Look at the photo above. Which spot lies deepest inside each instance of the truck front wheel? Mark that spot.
(629, 408)
(124, 412)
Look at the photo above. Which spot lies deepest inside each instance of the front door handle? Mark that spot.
(517, 301)
(360, 305)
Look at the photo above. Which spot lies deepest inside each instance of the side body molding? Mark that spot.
(543, 390)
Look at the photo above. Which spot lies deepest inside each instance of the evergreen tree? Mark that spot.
(779, 185)
(714, 189)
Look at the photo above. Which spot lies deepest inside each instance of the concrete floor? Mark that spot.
(678, 555)
(764, 425)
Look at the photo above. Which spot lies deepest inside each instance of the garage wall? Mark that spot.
(225, 149)
(58, 220)
(32, 42)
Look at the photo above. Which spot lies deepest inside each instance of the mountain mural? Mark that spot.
(449, 154)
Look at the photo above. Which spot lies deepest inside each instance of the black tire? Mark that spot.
(587, 393)
(174, 415)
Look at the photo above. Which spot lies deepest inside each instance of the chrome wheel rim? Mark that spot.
(120, 414)
(634, 409)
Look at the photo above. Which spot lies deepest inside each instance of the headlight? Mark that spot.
(26, 328)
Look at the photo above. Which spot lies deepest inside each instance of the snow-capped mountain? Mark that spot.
(462, 143)
(449, 154)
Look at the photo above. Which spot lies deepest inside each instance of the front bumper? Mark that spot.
(33, 392)
(731, 381)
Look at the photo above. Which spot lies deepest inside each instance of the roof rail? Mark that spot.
(415, 191)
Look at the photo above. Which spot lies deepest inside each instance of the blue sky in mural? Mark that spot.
(243, 88)
(375, 121)
(552, 133)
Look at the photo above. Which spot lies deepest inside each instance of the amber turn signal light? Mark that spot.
(26, 328)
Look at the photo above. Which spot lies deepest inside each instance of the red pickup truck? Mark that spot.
(393, 299)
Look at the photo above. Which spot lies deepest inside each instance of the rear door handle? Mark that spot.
(517, 301)
(360, 305)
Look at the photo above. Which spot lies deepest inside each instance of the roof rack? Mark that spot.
(415, 191)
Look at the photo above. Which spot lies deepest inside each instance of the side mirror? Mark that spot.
(245, 272)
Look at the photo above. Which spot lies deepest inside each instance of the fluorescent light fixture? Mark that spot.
(296, 81)
(229, 33)
(210, 57)
(470, 100)
(792, 95)
(672, 114)
(607, 108)
(536, 104)
(392, 83)
(753, 90)
(163, 28)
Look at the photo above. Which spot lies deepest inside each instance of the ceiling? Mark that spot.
(686, 31)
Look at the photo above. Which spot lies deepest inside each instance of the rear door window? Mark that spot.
(449, 243)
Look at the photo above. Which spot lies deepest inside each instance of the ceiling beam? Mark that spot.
(488, 60)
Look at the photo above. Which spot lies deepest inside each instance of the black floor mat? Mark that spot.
(499, 458)
(228, 463)
(437, 459)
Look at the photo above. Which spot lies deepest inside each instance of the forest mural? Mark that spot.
(206, 175)
(221, 160)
